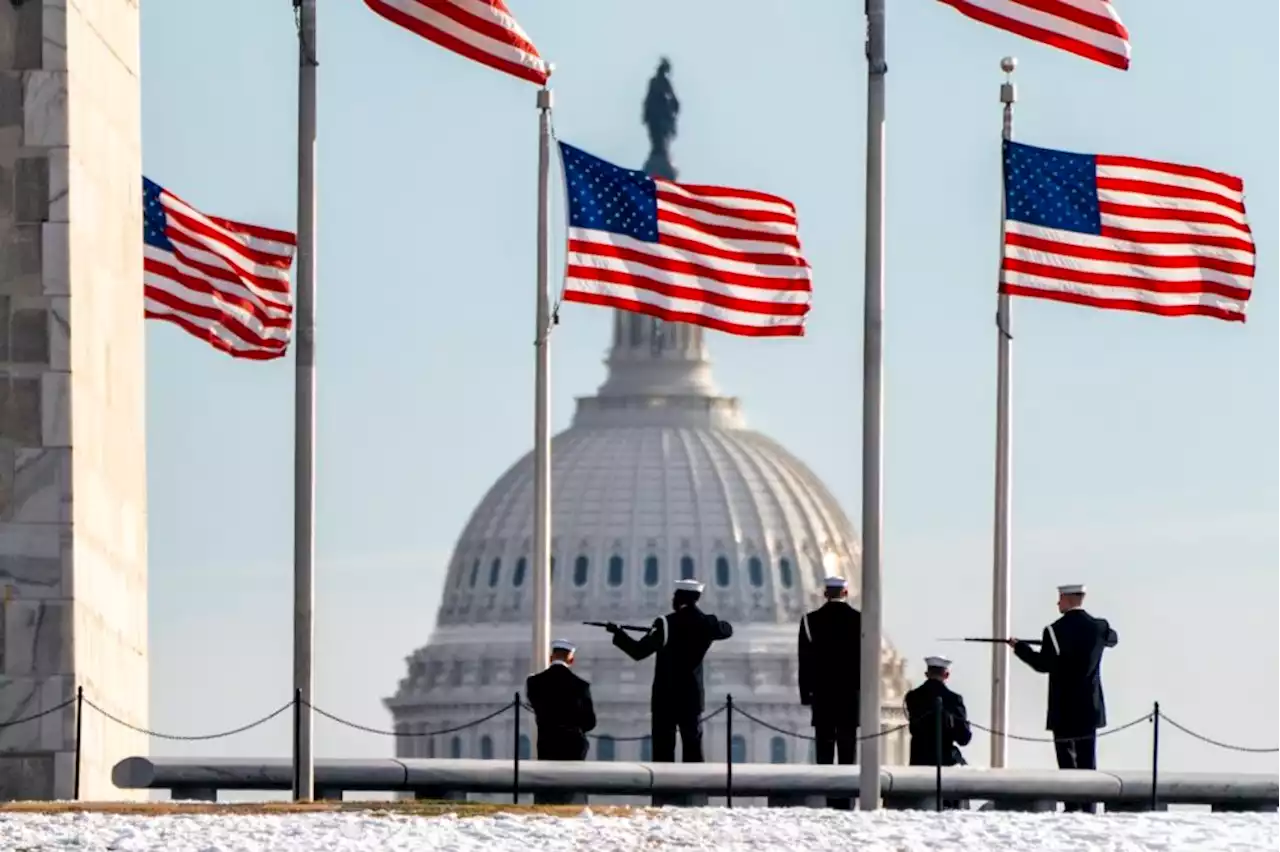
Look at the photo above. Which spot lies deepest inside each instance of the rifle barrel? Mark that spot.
(634, 628)
(994, 641)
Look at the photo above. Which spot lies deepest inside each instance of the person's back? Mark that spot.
(562, 707)
(1075, 679)
(678, 680)
(922, 718)
(831, 661)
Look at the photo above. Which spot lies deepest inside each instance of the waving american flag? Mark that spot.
(722, 258)
(1088, 28)
(224, 282)
(483, 31)
(1125, 233)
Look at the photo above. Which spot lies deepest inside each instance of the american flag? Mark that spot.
(726, 259)
(1088, 28)
(224, 282)
(483, 31)
(1125, 233)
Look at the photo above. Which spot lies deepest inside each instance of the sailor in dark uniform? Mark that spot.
(922, 716)
(1071, 655)
(680, 640)
(830, 676)
(563, 712)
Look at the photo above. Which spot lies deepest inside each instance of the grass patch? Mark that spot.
(422, 809)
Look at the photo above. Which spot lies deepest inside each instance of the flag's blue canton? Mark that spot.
(605, 197)
(1053, 189)
(154, 221)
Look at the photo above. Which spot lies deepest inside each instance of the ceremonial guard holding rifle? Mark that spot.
(1071, 655)
(680, 640)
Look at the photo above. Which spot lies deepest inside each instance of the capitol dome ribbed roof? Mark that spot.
(656, 479)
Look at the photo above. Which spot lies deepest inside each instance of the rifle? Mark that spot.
(991, 640)
(634, 628)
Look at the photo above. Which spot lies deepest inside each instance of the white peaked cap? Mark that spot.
(1073, 589)
(937, 662)
(689, 585)
(836, 583)
(562, 645)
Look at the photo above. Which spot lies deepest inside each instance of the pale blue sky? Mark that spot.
(1145, 450)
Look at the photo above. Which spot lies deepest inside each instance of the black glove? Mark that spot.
(612, 629)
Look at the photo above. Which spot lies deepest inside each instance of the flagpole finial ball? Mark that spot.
(1009, 64)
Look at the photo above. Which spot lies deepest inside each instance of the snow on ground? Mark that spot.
(793, 830)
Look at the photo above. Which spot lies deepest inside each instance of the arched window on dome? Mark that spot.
(495, 568)
(722, 571)
(755, 571)
(777, 750)
(738, 749)
(553, 569)
(646, 750)
(475, 573)
(686, 568)
(455, 748)
(486, 747)
(606, 748)
(615, 570)
(784, 572)
(526, 748)
(517, 578)
(580, 568)
(651, 571)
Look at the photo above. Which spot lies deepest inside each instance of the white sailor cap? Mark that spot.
(562, 645)
(689, 585)
(1072, 589)
(937, 662)
(836, 583)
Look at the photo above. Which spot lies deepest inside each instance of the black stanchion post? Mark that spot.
(937, 752)
(79, 735)
(515, 750)
(297, 744)
(1155, 754)
(728, 753)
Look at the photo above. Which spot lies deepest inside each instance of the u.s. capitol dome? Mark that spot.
(657, 478)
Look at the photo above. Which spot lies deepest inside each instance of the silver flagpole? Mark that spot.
(304, 348)
(1000, 552)
(872, 412)
(541, 649)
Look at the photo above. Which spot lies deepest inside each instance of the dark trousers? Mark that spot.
(1077, 750)
(561, 747)
(663, 731)
(830, 741)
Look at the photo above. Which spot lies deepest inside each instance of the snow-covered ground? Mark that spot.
(797, 830)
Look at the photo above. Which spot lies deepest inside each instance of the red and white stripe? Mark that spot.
(1175, 241)
(226, 282)
(726, 259)
(483, 31)
(1088, 28)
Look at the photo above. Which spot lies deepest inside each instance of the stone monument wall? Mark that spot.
(73, 553)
